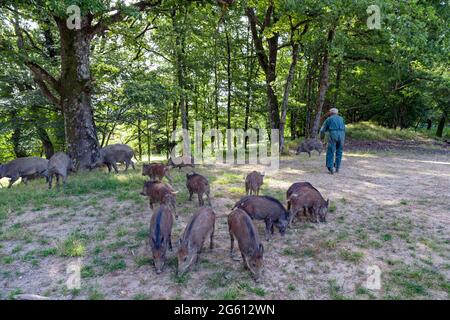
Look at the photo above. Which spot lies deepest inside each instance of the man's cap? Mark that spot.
(334, 110)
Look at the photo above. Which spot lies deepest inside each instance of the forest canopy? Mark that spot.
(134, 71)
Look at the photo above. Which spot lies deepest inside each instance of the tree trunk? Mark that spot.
(81, 135)
(139, 125)
(287, 88)
(228, 80)
(323, 84)
(16, 137)
(441, 125)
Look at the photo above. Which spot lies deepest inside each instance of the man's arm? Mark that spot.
(323, 129)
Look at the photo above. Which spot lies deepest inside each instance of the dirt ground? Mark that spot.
(389, 210)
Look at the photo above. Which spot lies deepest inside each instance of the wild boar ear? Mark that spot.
(261, 248)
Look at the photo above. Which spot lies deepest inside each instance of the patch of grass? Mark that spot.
(386, 237)
(141, 296)
(95, 294)
(231, 294)
(7, 260)
(371, 131)
(289, 252)
(291, 287)
(351, 256)
(218, 280)
(334, 290)
(142, 261)
(73, 246)
(12, 294)
(228, 178)
(87, 272)
(181, 279)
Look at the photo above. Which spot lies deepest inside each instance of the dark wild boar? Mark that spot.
(160, 192)
(197, 231)
(24, 168)
(198, 184)
(308, 201)
(265, 208)
(161, 236)
(309, 145)
(253, 182)
(242, 228)
(156, 171)
(59, 165)
(112, 154)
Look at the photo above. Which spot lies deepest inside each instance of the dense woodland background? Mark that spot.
(135, 71)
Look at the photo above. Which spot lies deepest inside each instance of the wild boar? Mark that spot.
(160, 192)
(161, 236)
(112, 154)
(309, 201)
(240, 226)
(197, 183)
(197, 231)
(297, 187)
(309, 145)
(180, 162)
(59, 165)
(265, 208)
(156, 171)
(253, 182)
(24, 168)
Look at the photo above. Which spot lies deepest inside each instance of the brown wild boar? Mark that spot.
(59, 165)
(161, 236)
(265, 208)
(253, 182)
(197, 183)
(112, 154)
(309, 201)
(156, 171)
(197, 231)
(297, 187)
(24, 168)
(241, 227)
(309, 145)
(160, 192)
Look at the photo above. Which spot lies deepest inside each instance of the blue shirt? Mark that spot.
(333, 123)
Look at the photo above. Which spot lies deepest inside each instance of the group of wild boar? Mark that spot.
(302, 199)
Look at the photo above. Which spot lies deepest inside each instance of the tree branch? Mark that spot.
(104, 24)
(47, 93)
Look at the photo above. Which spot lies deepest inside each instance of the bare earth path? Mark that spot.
(387, 210)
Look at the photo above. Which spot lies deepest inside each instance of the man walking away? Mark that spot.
(334, 124)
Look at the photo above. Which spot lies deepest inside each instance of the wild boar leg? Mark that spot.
(246, 188)
(151, 204)
(132, 165)
(57, 180)
(64, 177)
(207, 196)
(200, 199)
(127, 164)
(309, 153)
(244, 261)
(231, 244)
(211, 239)
(170, 242)
(190, 195)
(50, 178)
(269, 226)
(114, 165)
(109, 167)
(11, 181)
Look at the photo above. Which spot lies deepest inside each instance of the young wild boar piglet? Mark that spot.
(253, 182)
(24, 168)
(59, 165)
(309, 145)
(156, 171)
(309, 201)
(197, 231)
(161, 236)
(160, 192)
(198, 184)
(265, 208)
(242, 228)
(112, 154)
